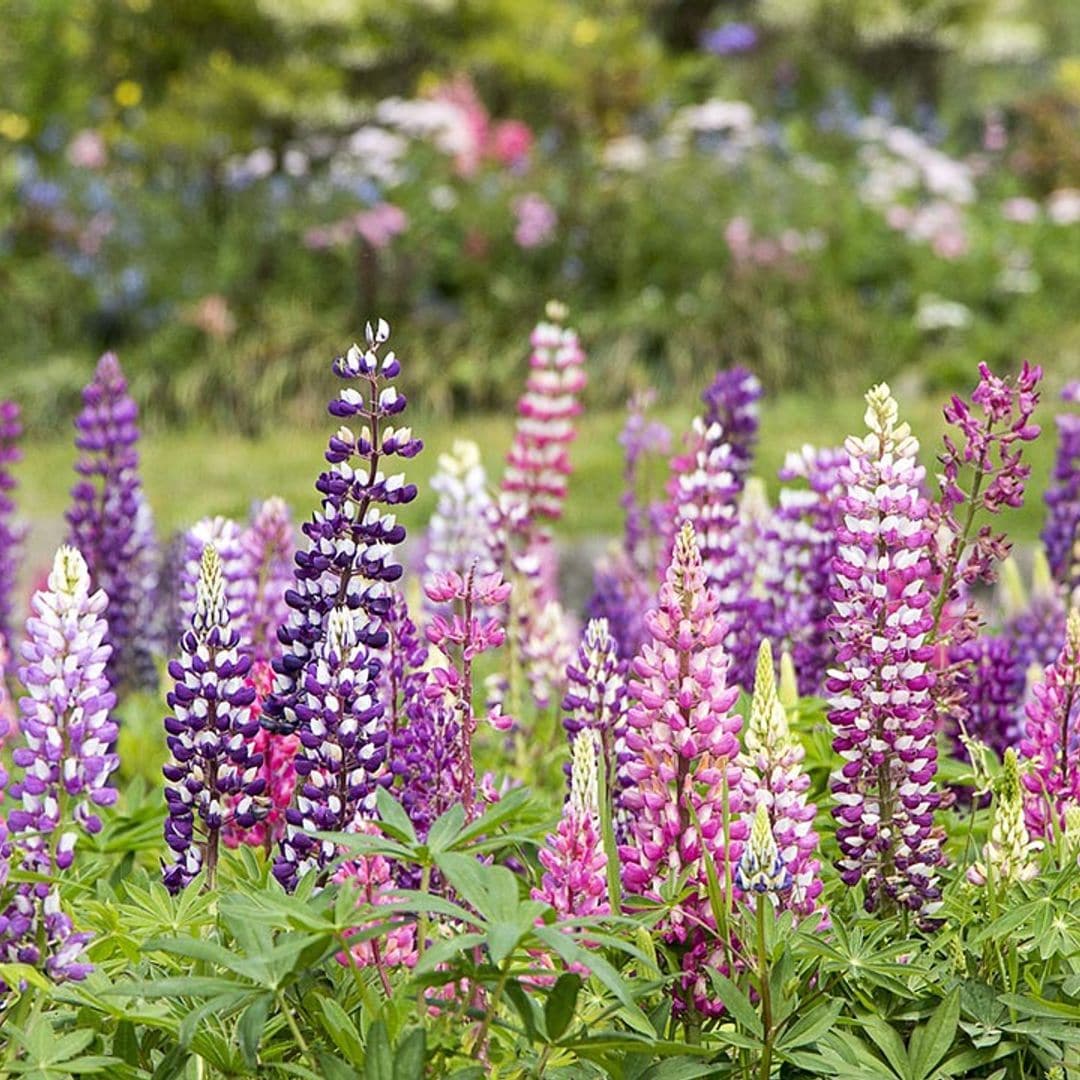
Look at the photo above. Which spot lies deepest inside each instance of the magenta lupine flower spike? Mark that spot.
(267, 546)
(65, 721)
(462, 636)
(595, 699)
(213, 777)
(348, 561)
(109, 518)
(882, 711)
(991, 451)
(538, 462)
(1061, 534)
(683, 740)
(343, 743)
(1051, 743)
(773, 779)
(573, 858)
(10, 533)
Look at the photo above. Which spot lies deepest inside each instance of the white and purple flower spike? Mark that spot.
(65, 719)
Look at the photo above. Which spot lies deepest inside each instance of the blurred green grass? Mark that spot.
(191, 473)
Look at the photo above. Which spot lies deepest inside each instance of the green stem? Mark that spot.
(283, 1005)
(765, 991)
(489, 1014)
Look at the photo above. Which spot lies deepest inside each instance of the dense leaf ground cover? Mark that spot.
(817, 813)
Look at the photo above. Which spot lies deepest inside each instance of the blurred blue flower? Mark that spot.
(730, 39)
(43, 194)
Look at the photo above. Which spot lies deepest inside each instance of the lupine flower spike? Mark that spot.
(1061, 536)
(348, 560)
(683, 777)
(462, 636)
(109, 520)
(267, 546)
(773, 779)
(343, 742)
(214, 776)
(1008, 854)
(65, 764)
(596, 701)
(575, 881)
(761, 871)
(1051, 744)
(882, 711)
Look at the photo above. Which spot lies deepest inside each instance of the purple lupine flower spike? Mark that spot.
(351, 539)
(402, 677)
(992, 684)
(108, 520)
(1061, 534)
(595, 699)
(882, 711)
(213, 778)
(1036, 628)
(65, 721)
(1051, 744)
(10, 533)
(732, 401)
(459, 533)
(267, 547)
(800, 546)
(228, 540)
(343, 743)
(683, 739)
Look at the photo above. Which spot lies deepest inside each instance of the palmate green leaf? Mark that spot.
(890, 1044)
(932, 1041)
(249, 1030)
(379, 1061)
(811, 1027)
(393, 819)
(218, 1008)
(471, 879)
(480, 834)
(342, 1031)
(442, 952)
(963, 1063)
(445, 829)
(196, 986)
(561, 1003)
(527, 1009)
(410, 1055)
(572, 953)
(737, 1004)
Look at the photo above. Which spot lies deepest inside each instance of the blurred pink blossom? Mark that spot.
(510, 142)
(379, 225)
(1020, 209)
(536, 220)
(87, 150)
(739, 236)
(213, 317)
(1063, 206)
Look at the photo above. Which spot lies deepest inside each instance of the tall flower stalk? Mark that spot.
(1052, 739)
(348, 561)
(773, 782)
(109, 519)
(343, 744)
(64, 764)
(684, 800)
(10, 532)
(213, 778)
(575, 865)
(882, 711)
(1061, 534)
(461, 635)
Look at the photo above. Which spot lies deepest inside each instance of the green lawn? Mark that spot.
(192, 473)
